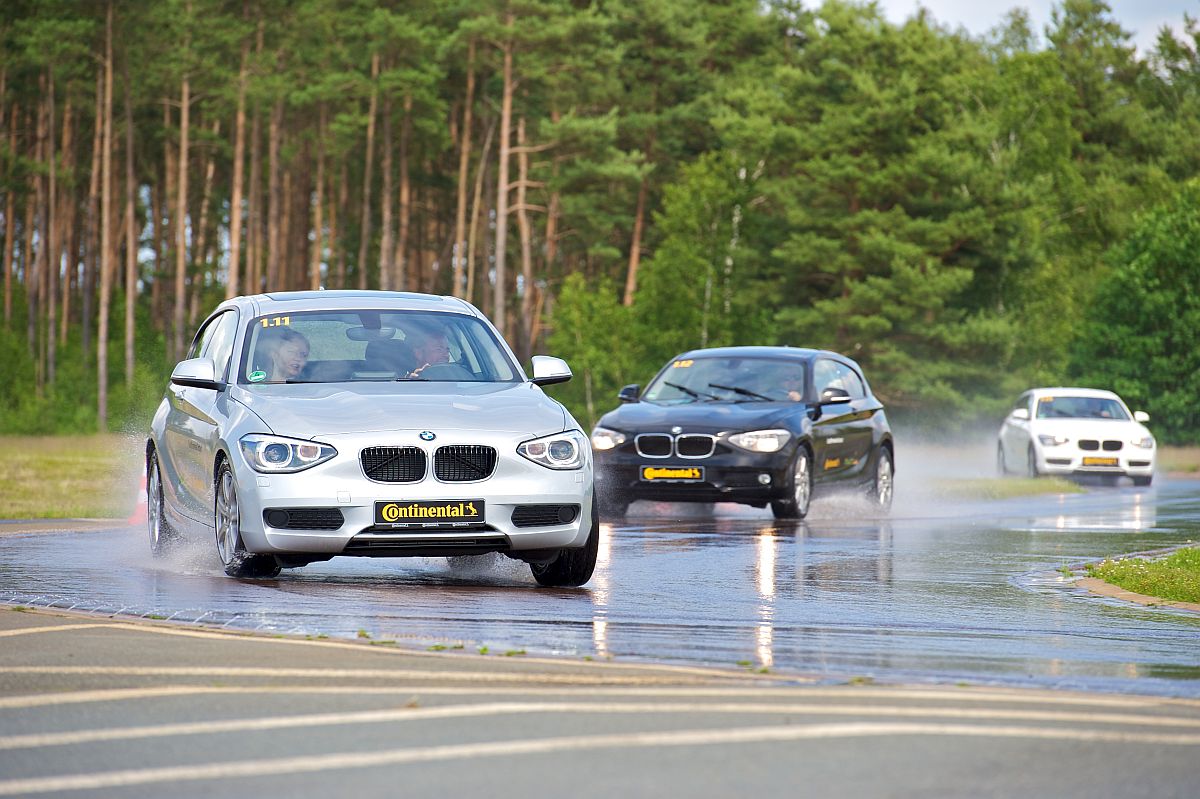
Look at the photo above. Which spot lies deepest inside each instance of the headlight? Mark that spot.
(761, 440)
(1144, 443)
(603, 438)
(1053, 441)
(277, 454)
(559, 451)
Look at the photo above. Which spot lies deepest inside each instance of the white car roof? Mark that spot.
(345, 300)
(1075, 392)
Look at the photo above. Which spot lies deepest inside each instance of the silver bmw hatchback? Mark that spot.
(304, 425)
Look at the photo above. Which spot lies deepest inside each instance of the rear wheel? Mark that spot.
(800, 495)
(571, 567)
(162, 535)
(228, 519)
(882, 488)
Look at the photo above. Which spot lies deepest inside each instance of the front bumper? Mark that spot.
(1069, 460)
(340, 483)
(728, 476)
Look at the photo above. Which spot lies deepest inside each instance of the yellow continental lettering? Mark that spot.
(833, 463)
(682, 364)
(663, 473)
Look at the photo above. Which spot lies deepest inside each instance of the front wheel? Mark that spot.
(1143, 481)
(162, 535)
(228, 519)
(796, 505)
(571, 567)
(882, 488)
(1031, 464)
(1001, 462)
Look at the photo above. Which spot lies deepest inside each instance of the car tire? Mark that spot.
(162, 536)
(1143, 481)
(883, 486)
(800, 487)
(1031, 466)
(572, 567)
(227, 524)
(1001, 463)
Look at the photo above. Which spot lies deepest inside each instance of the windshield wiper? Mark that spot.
(688, 391)
(743, 392)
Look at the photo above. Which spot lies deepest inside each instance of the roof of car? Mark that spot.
(797, 353)
(1077, 392)
(336, 300)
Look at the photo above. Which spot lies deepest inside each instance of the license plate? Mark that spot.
(1099, 461)
(674, 474)
(428, 513)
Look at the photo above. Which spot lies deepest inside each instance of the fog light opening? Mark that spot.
(278, 518)
(764, 479)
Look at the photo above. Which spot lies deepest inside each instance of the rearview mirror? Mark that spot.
(629, 393)
(547, 370)
(1141, 416)
(197, 373)
(1020, 413)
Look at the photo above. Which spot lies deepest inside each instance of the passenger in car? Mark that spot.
(287, 354)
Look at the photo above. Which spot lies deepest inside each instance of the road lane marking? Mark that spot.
(701, 737)
(51, 629)
(857, 692)
(611, 708)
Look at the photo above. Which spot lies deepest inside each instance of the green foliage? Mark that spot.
(1143, 336)
(1175, 577)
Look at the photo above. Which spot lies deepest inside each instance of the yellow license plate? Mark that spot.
(1099, 461)
(678, 474)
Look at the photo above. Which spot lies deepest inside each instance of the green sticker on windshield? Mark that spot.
(257, 376)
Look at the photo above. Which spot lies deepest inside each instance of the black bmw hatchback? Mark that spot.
(755, 425)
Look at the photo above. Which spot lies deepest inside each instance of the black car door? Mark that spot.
(832, 427)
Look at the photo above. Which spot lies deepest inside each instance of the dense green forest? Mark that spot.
(612, 182)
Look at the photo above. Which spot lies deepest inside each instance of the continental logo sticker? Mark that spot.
(832, 463)
(418, 511)
(691, 473)
(684, 364)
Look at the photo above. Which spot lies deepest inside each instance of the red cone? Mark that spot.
(139, 510)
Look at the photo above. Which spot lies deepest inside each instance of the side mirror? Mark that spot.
(197, 373)
(629, 393)
(1141, 416)
(547, 371)
(834, 396)
(1020, 413)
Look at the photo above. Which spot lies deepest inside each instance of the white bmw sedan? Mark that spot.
(304, 425)
(1068, 431)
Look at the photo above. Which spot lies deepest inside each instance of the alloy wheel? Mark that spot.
(883, 480)
(228, 518)
(801, 484)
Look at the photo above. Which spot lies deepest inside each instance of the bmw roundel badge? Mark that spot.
(427, 435)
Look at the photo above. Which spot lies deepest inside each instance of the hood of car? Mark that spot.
(698, 417)
(313, 410)
(1099, 429)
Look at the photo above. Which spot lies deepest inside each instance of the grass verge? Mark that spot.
(1184, 460)
(68, 477)
(1006, 487)
(1175, 577)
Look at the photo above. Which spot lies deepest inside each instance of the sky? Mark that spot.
(1142, 18)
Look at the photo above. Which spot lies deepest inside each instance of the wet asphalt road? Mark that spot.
(940, 591)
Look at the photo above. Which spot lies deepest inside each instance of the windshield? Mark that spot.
(1080, 408)
(368, 345)
(689, 380)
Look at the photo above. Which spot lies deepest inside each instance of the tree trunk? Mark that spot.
(33, 277)
(499, 315)
(131, 237)
(66, 232)
(10, 230)
(464, 163)
(401, 257)
(105, 228)
(386, 268)
(639, 222)
(53, 261)
(200, 232)
(314, 272)
(337, 210)
(235, 200)
(365, 216)
(274, 196)
(181, 191)
(476, 210)
(528, 290)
